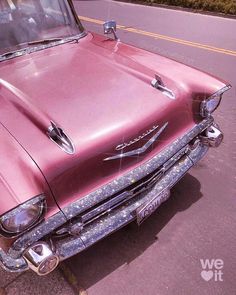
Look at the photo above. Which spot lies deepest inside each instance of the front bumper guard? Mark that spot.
(14, 260)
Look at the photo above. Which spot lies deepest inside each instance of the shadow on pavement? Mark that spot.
(130, 242)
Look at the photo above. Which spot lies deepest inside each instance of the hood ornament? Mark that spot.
(159, 84)
(57, 135)
(140, 150)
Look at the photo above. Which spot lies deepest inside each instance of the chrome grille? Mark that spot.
(119, 199)
(130, 192)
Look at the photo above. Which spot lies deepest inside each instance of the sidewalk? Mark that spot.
(29, 283)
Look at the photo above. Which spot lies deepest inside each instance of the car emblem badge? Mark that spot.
(140, 150)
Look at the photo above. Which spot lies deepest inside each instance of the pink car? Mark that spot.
(94, 132)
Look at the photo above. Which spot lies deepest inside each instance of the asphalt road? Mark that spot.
(198, 221)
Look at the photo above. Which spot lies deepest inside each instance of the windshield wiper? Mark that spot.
(43, 43)
(51, 40)
(19, 52)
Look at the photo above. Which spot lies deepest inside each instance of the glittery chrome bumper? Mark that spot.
(117, 218)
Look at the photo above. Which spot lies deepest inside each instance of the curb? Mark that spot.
(71, 279)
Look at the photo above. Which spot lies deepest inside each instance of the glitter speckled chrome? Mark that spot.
(122, 216)
(117, 218)
(106, 191)
(11, 264)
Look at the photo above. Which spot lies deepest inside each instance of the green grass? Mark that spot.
(223, 6)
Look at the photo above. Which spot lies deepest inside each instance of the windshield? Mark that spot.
(26, 21)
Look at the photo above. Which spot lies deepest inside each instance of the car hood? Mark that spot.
(99, 92)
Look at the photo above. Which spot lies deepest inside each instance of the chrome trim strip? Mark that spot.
(133, 141)
(139, 150)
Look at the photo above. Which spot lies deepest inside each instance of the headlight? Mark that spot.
(209, 105)
(22, 217)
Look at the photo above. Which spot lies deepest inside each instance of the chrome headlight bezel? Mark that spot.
(209, 105)
(39, 202)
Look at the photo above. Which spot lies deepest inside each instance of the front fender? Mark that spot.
(20, 177)
(177, 74)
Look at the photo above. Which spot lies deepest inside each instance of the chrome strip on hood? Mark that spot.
(139, 150)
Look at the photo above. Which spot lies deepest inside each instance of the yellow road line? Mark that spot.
(164, 37)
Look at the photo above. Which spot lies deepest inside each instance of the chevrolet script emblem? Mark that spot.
(140, 150)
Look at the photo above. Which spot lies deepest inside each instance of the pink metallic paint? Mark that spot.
(98, 91)
(20, 178)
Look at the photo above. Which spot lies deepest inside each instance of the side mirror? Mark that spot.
(109, 27)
